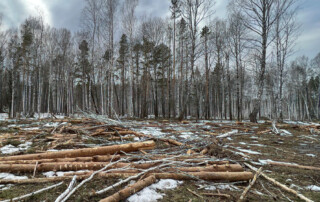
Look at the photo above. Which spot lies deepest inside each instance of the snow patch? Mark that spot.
(285, 133)
(156, 132)
(54, 124)
(227, 134)
(3, 116)
(9, 149)
(311, 155)
(313, 188)
(188, 135)
(150, 194)
(247, 151)
(166, 184)
(9, 176)
(265, 162)
(61, 173)
(222, 187)
(33, 128)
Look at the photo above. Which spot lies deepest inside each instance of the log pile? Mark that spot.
(133, 160)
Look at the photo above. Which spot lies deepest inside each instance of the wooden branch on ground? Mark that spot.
(33, 193)
(282, 186)
(130, 190)
(88, 179)
(194, 193)
(129, 178)
(84, 152)
(272, 163)
(244, 193)
(217, 194)
(67, 191)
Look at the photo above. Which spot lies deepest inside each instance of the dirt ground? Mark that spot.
(247, 143)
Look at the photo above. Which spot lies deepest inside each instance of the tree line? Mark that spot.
(190, 64)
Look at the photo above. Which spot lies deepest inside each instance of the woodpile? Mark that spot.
(130, 161)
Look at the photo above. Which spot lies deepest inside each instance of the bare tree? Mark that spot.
(195, 12)
(237, 43)
(129, 25)
(260, 19)
(286, 33)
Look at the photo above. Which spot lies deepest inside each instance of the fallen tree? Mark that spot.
(130, 190)
(84, 152)
(98, 158)
(282, 186)
(272, 163)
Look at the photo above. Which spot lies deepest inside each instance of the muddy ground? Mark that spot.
(251, 143)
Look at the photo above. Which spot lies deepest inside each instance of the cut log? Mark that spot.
(84, 152)
(130, 190)
(293, 165)
(244, 193)
(282, 186)
(69, 166)
(98, 158)
(215, 168)
(210, 176)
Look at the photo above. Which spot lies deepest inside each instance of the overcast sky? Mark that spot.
(66, 13)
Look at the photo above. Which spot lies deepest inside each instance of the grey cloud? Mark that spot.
(14, 12)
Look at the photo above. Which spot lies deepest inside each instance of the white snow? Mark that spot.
(258, 145)
(221, 187)
(285, 133)
(265, 162)
(227, 134)
(166, 184)
(313, 188)
(156, 132)
(33, 128)
(311, 155)
(188, 135)
(8, 176)
(53, 124)
(145, 195)
(3, 116)
(150, 194)
(247, 151)
(9, 149)
(293, 186)
(61, 173)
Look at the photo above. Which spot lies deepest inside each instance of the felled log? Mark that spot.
(69, 166)
(130, 190)
(38, 180)
(84, 152)
(215, 168)
(282, 186)
(244, 193)
(98, 158)
(293, 165)
(210, 176)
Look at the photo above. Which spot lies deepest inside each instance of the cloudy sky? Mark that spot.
(66, 13)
